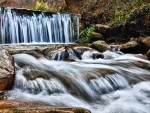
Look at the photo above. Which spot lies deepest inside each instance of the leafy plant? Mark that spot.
(84, 34)
(122, 16)
(43, 6)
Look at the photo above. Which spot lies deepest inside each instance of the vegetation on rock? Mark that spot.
(80, 111)
(43, 6)
(94, 36)
(100, 45)
(85, 34)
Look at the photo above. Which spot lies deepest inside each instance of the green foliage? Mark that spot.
(43, 6)
(121, 17)
(84, 34)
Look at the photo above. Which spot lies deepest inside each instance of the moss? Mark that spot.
(94, 36)
(100, 46)
(80, 110)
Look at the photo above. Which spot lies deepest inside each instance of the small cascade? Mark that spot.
(117, 82)
(37, 28)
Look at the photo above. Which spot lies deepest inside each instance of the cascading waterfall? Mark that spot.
(119, 83)
(37, 28)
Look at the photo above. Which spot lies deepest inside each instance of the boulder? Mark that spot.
(148, 54)
(32, 50)
(146, 41)
(94, 36)
(97, 55)
(7, 73)
(129, 47)
(133, 47)
(101, 28)
(100, 45)
(114, 48)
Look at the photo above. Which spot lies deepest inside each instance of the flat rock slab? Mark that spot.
(20, 107)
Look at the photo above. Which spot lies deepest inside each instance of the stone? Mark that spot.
(23, 107)
(105, 30)
(114, 48)
(148, 54)
(31, 50)
(7, 70)
(129, 47)
(94, 36)
(101, 28)
(2, 93)
(97, 55)
(133, 47)
(100, 45)
(146, 41)
(110, 39)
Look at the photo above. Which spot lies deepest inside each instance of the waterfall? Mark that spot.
(16, 28)
(118, 83)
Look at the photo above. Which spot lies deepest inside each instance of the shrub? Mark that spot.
(43, 6)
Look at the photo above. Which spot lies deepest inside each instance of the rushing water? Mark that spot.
(37, 28)
(119, 83)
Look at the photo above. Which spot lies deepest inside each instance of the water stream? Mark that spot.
(119, 83)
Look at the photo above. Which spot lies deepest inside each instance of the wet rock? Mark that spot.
(100, 45)
(97, 55)
(94, 36)
(133, 47)
(1, 95)
(114, 48)
(146, 41)
(22, 107)
(129, 47)
(31, 50)
(7, 73)
(148, 54)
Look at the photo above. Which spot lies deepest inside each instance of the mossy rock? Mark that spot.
(94, 36)
(128, 45)
(100, 45)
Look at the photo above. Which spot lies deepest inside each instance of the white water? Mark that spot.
(119, 83)
(38, 28)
